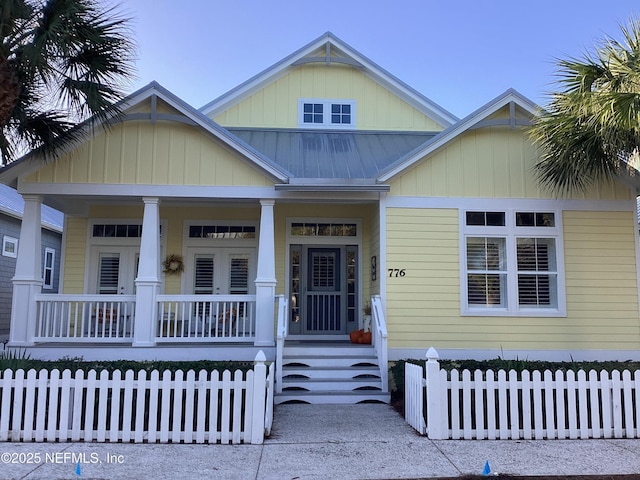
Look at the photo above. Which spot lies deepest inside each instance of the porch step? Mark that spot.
(323, 373)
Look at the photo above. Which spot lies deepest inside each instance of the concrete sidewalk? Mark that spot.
(324, 442)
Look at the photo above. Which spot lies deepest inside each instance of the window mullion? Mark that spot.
(512, 274)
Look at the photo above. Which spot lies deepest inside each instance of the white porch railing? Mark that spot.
(282, 331)
(78, 318)
(379, 339)
(206, 318)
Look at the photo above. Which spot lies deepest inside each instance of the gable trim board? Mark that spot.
(511, 97)
(328, 41)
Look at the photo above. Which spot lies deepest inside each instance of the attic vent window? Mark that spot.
(323, 113)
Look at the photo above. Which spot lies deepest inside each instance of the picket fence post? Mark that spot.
(259, 399)
(437, 421)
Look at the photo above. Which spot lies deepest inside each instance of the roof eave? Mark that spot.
(457, 129)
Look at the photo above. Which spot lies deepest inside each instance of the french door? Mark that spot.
(223, 271)
(116, 270)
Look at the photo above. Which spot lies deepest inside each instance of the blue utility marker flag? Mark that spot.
(487, 468)
(78, 471)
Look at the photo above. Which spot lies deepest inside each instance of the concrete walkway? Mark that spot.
(323, 442)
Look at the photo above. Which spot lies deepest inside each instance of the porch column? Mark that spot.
(266, 277)
(148, 279)
(27, 281)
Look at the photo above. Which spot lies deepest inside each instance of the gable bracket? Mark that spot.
(327, 53)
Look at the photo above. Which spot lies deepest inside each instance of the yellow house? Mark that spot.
(322, 197)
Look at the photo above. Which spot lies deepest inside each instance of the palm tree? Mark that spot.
(60, 62)
(590, 131)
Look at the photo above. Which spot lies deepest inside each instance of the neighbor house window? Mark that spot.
(510, 263)
(9, 246)
(49, 267)
(326, 113)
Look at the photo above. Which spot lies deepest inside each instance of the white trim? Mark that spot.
(510, 233)
(497, 204)
(6, 241)
(45, 285)
(327, 103)
(382, 261)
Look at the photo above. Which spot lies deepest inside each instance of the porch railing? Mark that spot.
(379, 339)
(78, 318)
(206, 318)
(282, 331)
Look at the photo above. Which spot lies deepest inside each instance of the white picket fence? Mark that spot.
(530, 405)
(45, 406)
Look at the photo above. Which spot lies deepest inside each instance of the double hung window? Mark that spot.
(510, 263)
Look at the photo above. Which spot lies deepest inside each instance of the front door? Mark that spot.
(323, 290)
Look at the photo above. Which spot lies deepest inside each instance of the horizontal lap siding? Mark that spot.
(601, 287)
(601, 278)
(423, 242)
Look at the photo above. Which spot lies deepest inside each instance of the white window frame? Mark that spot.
(51, 269)
(6, 241)
(510, 232)
(326, 112)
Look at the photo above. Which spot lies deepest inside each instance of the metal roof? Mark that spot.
(325, 154)
(11, 203)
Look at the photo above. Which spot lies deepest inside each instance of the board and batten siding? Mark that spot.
(423, 307)
(276, 105)
(75, 252)
(164, 153)
(490, 162)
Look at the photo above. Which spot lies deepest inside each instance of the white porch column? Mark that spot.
(266, 277)
(27, 282)
(148, 279)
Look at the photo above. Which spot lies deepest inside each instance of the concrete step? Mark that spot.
(331, 372)
(328, 361)
(331, 384)
(333, 397)
(339, 349)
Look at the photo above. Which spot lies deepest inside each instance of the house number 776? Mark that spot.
(397, 272)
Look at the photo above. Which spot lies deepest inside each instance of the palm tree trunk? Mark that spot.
(9, 90)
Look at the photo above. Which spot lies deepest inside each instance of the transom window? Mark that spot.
(313, 229)
(510, 263)
(117, 230)
(222, 231)
(326, 113)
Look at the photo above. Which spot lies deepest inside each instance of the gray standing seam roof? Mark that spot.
(11, 202)
(332, 154)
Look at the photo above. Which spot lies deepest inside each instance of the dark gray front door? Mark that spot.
(324, 292)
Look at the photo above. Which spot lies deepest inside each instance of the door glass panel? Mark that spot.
(239, 275)
(203, 284)
(108, 275)
(323, 271)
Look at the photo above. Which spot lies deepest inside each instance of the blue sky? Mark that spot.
(459, 53)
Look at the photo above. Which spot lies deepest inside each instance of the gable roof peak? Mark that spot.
(348, 55)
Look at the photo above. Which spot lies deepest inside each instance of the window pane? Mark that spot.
(308, 108)
(495, 219)
(536, 254)
(239, 276)
(485, 290)
(525, 219)
(486, 254)
(545, 220)
(537, 290)
(203, 275)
